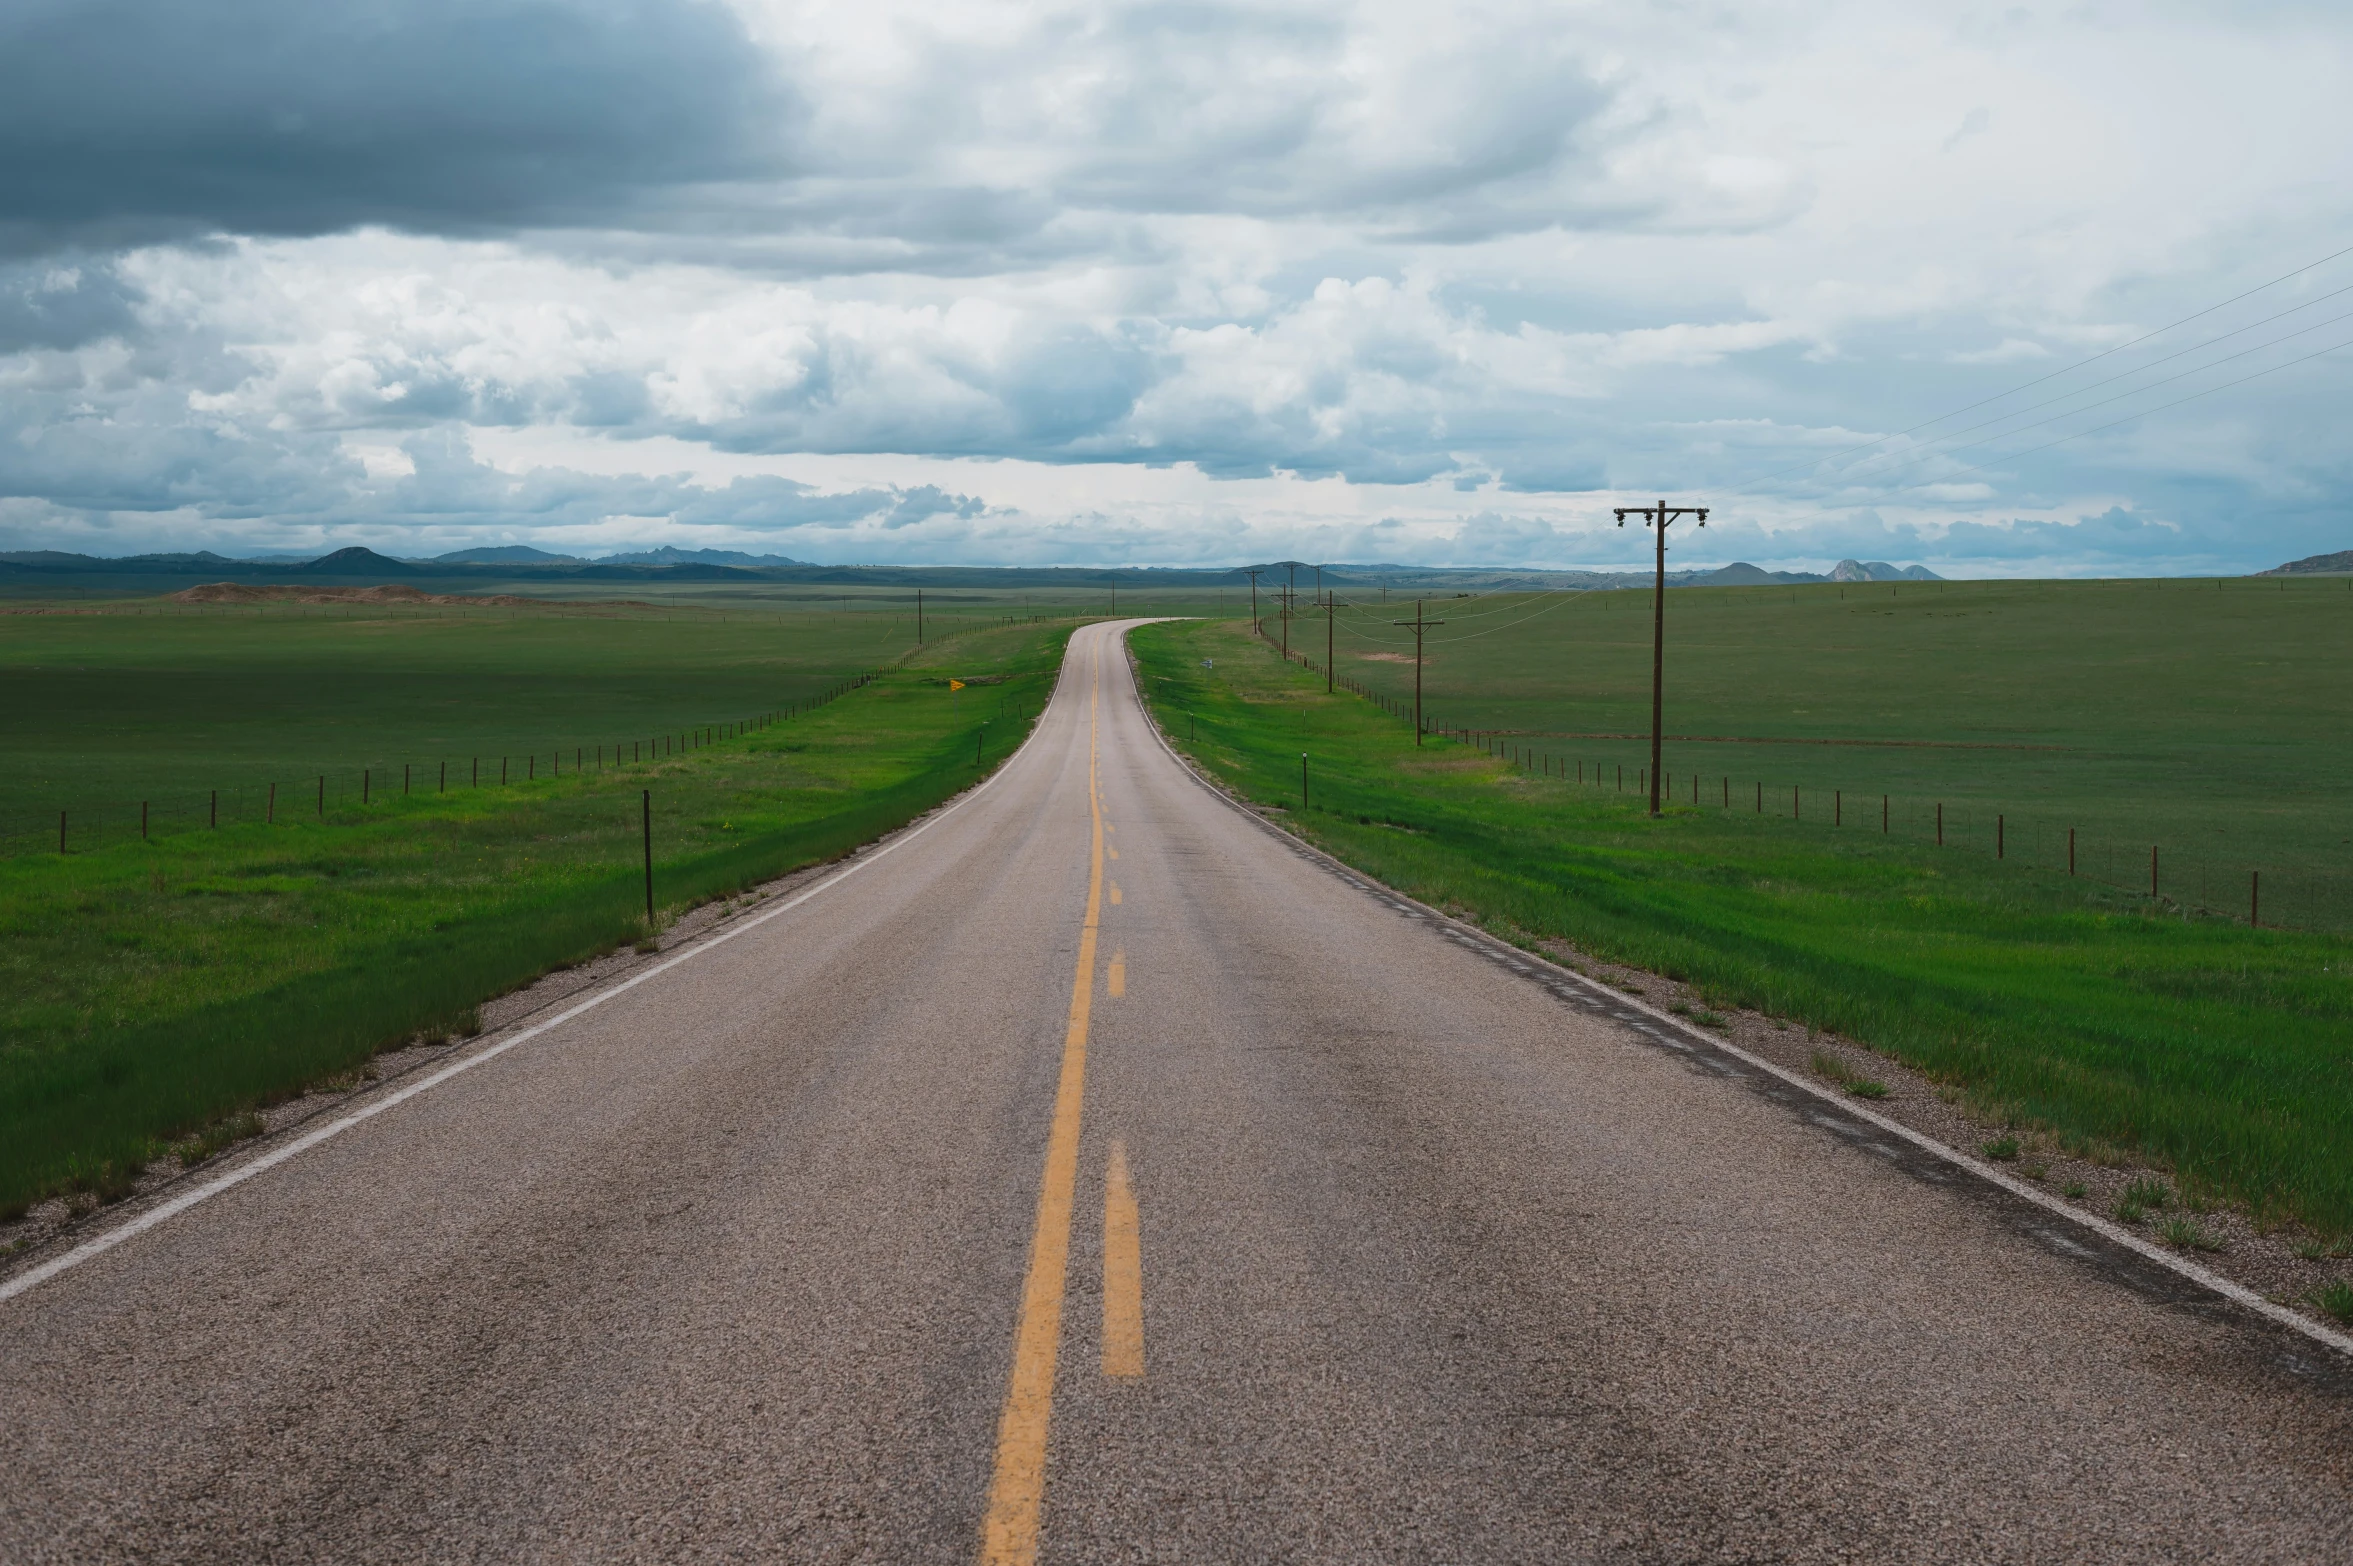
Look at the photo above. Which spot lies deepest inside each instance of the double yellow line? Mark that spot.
(1009, 1533)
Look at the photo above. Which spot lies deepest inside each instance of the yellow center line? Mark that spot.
(1123, 1273)
(1009, 1533)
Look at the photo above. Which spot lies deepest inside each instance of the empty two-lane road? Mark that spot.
(1091, 1176)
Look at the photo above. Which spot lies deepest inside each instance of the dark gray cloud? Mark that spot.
(131, 121)
(149, 485)
(59, 303)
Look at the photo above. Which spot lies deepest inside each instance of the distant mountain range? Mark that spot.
(506, 554)
(358, 565)
(1880, 571)
(667, 555)
(524, 554)
(1738, 574)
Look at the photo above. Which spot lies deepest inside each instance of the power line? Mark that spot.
(1568, 594)
(1946, 478)
(2151, 365)
(2053, 375)
(1581, 594)
(2136, 391)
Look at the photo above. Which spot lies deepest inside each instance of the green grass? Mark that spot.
(2185, 1234)
(2211, 720)
(155, 987)
(1828, 1065)
(99, 712)
(2217, 1049)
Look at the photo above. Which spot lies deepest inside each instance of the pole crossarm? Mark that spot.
(1651, 514)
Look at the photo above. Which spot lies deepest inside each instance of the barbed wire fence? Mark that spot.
(343, 795)
(2187, 880)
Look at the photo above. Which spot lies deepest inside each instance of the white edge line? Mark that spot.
(98, 1245)
(2238, 1293)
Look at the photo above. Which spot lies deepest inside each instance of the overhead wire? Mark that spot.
(1946, 451)
(2144, 369)
(2104, 353)
(1501, 608)
(1946, 478)
(1568, 594)
(1580, 594)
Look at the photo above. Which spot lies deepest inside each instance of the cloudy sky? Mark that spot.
(1180, 283)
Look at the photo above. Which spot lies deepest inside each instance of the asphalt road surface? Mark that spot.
(1093, 1176)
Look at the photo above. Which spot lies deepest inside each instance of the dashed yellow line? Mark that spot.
(1115, 894)
(1123, 1273)
(1009, 1532)
(1117, 976)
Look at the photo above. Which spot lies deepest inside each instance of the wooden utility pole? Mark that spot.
(1253, 575)
(919, 617)
(1419, 625)
(1659, 516)
(1330, 613)
(1290, 592)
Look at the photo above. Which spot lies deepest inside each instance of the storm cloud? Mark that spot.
(131, 121)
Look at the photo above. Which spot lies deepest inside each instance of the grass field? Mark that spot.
(148, 701)
(2221, 1050)
(156, 986)
(101, 711)
(2212, 719)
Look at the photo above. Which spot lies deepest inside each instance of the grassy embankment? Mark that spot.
(2210, 719)
(2221, 1050)
(156, 986)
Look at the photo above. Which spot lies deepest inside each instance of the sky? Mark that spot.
(2044, 290)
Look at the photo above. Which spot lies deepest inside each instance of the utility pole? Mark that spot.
(919, 617)
(1659, 516)
(1419, 625)
(1289, 593)
(1330, 612)
(1253, 575)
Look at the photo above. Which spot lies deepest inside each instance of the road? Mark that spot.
(1094, 1176)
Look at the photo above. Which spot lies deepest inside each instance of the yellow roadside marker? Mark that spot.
(1123, 1273)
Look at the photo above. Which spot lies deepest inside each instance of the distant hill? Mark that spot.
(2315, 565)
(354, 561)
(505, 554)
(1741, 574)
(670, 555)
(59, 560)
(1880, 571)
